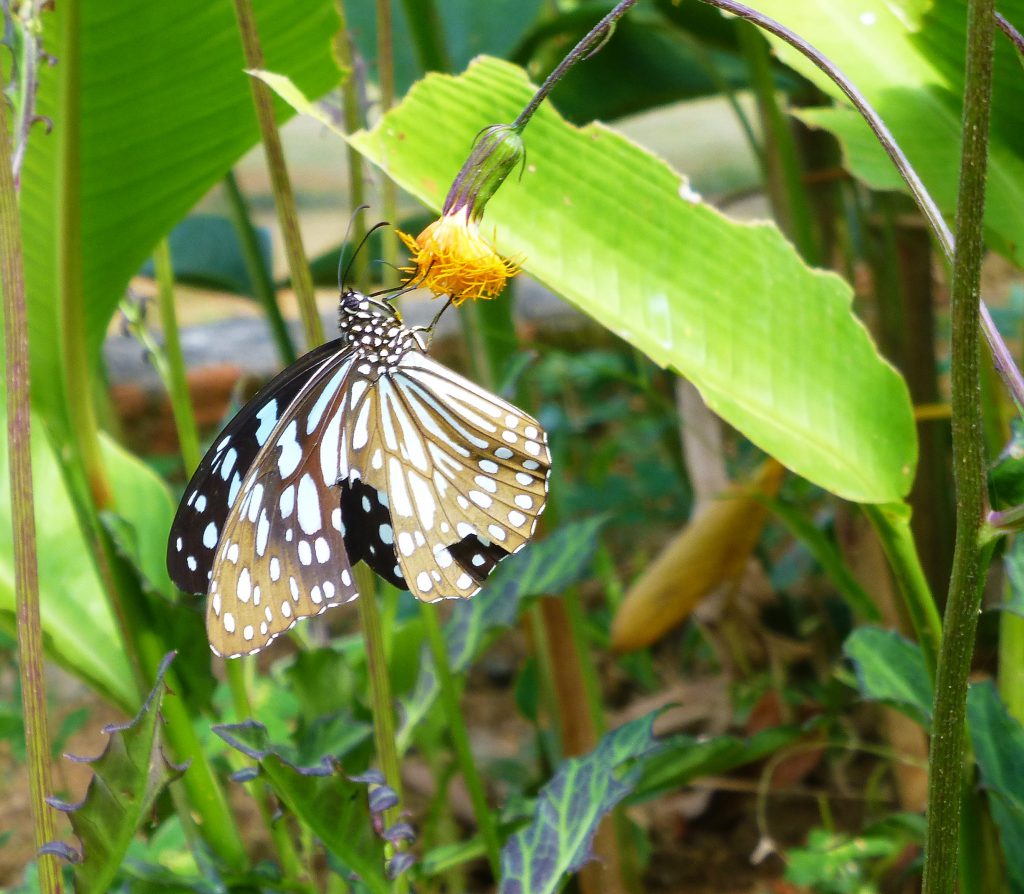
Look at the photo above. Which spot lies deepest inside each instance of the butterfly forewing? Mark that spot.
(199, 522)
(282, 552)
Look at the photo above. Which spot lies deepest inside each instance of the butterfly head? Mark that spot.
(376, 331)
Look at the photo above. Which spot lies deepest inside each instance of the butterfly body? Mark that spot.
(364, 449)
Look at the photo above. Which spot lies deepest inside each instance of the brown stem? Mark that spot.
(26, 572)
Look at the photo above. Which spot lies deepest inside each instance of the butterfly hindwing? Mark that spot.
(459, 466)
(198, 524)
(369, 534)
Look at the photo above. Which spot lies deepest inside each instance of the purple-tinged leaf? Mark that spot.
(536, 859)
(382, 798)
(127, 777)
(334, 806)
(399, 832)
(399, 863)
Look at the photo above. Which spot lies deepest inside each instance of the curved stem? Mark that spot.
(589, 44)
(26, 569)
(1015, 36)
(970, 558)
(898, 543)
(1010, 374)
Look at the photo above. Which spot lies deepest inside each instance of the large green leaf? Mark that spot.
(127, 778)
(998, 741)
(536, 859)
(891, 669)
(772, 345)
(79, 630)
(544, 567)
(918, 94)
(152, 106)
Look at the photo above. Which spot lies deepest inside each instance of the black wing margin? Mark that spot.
(208, 497)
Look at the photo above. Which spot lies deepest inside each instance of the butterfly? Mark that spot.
(364, 449)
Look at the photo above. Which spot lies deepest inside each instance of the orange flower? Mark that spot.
(450, 257)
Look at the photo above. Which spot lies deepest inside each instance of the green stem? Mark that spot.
(173, 363)
(291, 865)
(386, 82)
(78, 393)
(460, 736)
(380, 697)
(353, 115)
(893, 529)
(205, 794)
(427, 34)
(177, 381)
(26, 568)
(779, 157)
(284, 198)
(259, 276)
(970, 556)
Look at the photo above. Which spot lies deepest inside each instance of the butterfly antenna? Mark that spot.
(341, 255)
(344, 276)
(410, 285)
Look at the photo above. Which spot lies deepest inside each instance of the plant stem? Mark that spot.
(1016, 38)
(427, 34)
(188, 438)
(284, 198)
(779, 156)
(380, 697)
(353, 116)
(386, 83)
(177, 384)
(259, 276)
(970, 557)
(77, 383)
(460, 736)
(587, 46)
(1011, 376)
(26, 569)
(893, 530)
(287, 856)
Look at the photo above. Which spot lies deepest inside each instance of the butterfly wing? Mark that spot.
(198, 524)
(464, 472)
(282, 553)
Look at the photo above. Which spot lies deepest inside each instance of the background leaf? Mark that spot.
(891, 669)
(205, 252)
(126, 780)
(917, 92)
(772, 345)
(333, 806)
(534, 860)
(998, 741)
